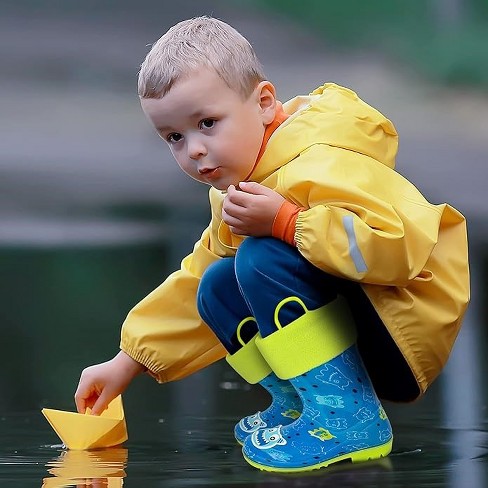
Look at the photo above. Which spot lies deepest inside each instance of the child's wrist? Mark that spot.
(285, 221)
(130, 365)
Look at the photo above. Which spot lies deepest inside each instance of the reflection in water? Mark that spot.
(372, 474)
(99, 468)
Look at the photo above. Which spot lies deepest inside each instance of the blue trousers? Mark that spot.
(264, 272)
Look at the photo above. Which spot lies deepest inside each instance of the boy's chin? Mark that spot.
(218, 185)
(222, 186)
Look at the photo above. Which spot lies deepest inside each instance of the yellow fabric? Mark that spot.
(249, 363)
(334, 156)
(313, 339)
(164, 332)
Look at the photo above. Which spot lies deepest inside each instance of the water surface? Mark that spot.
(171, 446)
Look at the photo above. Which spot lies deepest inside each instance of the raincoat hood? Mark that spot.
(331, 115)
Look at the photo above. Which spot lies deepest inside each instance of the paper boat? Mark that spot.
(85, 431)
(102, 467)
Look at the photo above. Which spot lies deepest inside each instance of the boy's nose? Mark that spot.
(196, 150)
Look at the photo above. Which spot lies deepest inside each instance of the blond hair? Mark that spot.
(196, 43)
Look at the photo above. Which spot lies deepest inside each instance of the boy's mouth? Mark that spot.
(210, 173)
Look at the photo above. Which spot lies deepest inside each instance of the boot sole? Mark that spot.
(368, 454)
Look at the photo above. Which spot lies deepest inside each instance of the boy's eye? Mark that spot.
(207, 123)
(174, 137)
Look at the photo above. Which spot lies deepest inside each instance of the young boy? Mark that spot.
(323, 275)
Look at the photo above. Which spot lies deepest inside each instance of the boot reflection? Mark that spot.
(373, 473)
(98, 468)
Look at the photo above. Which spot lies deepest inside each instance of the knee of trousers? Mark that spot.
(261, 259)
(214, 285)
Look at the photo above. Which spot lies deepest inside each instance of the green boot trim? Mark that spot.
(367, 454)
(313, 339)
(248, 362)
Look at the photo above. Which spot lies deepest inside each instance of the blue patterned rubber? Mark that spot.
(342, 419)
(285, 407)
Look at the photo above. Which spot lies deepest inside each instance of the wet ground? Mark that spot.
(180, 434)
(177, 449)
(59, 308)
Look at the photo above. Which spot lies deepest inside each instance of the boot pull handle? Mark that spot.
(284, 302)
(238, 331)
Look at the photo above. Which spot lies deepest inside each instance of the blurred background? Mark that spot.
(88, 192)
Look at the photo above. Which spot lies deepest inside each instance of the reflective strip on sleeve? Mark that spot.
(354, 251)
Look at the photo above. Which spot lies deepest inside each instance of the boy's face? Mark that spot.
(214, 135)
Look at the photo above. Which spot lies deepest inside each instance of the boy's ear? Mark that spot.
(266, 94)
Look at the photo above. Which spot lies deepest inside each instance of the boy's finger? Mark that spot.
(230, 220)
(81, 396)
(238, 198)
(253, 187)
(102, 403)
(80, 404)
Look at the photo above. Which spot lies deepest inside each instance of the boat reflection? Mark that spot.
(97, 468)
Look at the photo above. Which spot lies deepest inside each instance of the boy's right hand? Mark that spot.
(101, 383)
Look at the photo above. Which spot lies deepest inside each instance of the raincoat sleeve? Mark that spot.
(164, 331)
(363, 220)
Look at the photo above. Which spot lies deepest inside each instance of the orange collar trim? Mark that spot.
(280, 117)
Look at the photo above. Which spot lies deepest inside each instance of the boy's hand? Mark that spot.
(252, 210)
(101, 383)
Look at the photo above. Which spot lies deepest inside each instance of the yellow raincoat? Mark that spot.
(362, 221)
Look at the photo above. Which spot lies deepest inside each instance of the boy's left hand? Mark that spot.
(251, 210)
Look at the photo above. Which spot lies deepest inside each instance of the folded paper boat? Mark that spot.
(85, 431)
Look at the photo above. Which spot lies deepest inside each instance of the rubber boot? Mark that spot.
(285, 406)
(342, 418)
